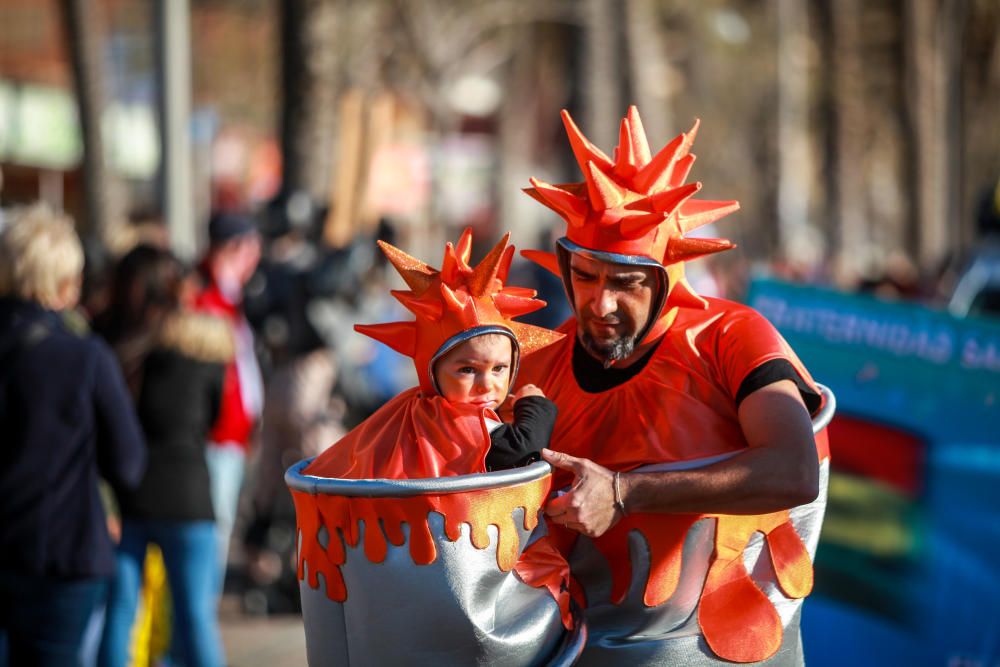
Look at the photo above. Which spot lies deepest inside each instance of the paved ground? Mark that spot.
(275, 641)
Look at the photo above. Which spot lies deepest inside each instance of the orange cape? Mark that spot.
(416, 436)
(412, 436)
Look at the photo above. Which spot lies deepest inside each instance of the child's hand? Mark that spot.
(527, 390)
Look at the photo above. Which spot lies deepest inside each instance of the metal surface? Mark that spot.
(402, 488)
(630, 633)
(825, 415)
(461, 609)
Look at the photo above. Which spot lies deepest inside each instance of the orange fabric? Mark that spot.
(384, 517)
(681, 407)
(410, 437)
(540, 565)
(636, 203)
(738, 620)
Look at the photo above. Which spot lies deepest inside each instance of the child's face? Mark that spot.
(476, 371)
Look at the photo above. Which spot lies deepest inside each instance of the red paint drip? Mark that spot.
(384, 518)
(738, 620)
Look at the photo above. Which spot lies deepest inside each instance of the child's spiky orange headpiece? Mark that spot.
(636, 205)
(455, 303)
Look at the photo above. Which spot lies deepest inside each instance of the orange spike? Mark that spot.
(524, 292)
(695, 213)
(683, 296)
(450, 266)
(417, 275)
(682, 250)
(692, 133)
(636, 226)
(400, 336)
(659, 170)
(452, 300)
(426, 309)
(487, 269)
(511, 305)
(603, 191)
(532, 338)
(667, 201)
(504, 270)
(582, 148)
(463, 251)
(640, 147)
(625, 153)
(546, 260)
(682, 166)
(650, 174)
(567, 205)
(681, 170)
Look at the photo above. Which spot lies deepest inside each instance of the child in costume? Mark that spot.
(473, 548)
(466, 348)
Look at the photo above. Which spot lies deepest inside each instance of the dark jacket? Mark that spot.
(179, 396)
(65, 418)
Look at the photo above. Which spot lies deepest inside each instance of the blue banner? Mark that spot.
(908, 569)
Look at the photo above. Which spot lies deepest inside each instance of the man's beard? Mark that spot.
(608, 352)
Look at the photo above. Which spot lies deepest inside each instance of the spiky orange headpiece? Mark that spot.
(455, 303)
(635, 205)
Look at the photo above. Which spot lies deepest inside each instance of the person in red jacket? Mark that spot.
(233, 254)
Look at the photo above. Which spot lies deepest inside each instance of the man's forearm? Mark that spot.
(778, 470)
(753, 482)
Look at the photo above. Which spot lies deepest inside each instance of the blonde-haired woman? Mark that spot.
(41, 259)
(66, 418)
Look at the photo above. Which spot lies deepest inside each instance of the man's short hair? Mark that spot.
(39, 252)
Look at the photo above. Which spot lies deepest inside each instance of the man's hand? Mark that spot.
(589, 506)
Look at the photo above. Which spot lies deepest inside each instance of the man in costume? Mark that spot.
(684, 433)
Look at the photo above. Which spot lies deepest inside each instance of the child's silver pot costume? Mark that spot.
(442, 571)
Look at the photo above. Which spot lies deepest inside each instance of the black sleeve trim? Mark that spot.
(773, 371)
(520, 443)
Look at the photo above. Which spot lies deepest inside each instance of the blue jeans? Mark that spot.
(189, 556)
(43, 619)
(226, 465)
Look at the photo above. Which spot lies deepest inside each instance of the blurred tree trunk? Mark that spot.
(933, 55)
(308, 73)
(795, 236)
(104, 198)
(647, 71)
(603, 73)
(980, 99)
(172, 25)
(847, 113)
(529, 131)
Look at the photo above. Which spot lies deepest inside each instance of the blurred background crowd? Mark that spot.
(231, 164)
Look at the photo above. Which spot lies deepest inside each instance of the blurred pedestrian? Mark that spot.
(66, 418)
(233, 254)
(174, 360)
(300, 418)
